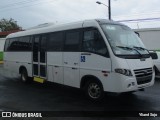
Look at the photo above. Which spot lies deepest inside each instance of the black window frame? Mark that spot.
(107, 55)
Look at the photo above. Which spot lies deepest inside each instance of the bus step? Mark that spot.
(37, 79)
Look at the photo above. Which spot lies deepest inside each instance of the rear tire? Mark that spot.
(24, 76)
(94, 90)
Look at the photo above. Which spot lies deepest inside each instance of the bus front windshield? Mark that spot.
(123, 40)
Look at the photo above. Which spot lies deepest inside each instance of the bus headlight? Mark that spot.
(124, 71)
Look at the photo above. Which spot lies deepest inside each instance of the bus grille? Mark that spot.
(143, 75)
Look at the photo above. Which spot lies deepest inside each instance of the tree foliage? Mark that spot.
(8, 25)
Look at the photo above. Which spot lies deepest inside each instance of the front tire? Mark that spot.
(94, 90)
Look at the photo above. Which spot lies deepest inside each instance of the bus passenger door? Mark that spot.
(39, 56)
(54, 57)
(71, 58)
(35, 56)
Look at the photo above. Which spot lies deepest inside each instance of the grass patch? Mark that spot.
(1, 56)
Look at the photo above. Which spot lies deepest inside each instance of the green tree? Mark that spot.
(8, 25)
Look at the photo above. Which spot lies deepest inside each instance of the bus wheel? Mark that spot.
(24, 76)
(94, 90)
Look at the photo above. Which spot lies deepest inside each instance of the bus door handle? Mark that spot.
(75, 63)
(56, 66)
(65, 62)
(74, 68)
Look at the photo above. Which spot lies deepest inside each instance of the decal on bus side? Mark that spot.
(83, 58)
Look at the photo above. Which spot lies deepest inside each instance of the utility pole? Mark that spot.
(109, 9)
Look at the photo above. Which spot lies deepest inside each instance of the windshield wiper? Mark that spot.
(140, 48)
(129, 48)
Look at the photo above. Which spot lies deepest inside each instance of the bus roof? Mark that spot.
(59, 27)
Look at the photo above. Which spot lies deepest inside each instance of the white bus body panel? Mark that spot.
(71, 68)
(14, 60)
(55, 67)
(94, 65)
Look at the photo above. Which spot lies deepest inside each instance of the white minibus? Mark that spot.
(95, 55)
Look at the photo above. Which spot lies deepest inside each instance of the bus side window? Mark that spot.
(36, 48)
(43, 46)
(93, 42)
(55, 42)
(72, 41)
(24, 44)
(13, 44)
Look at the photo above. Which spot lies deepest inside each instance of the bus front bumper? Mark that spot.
(120, 83)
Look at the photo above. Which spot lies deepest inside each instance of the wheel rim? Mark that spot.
(94, 90)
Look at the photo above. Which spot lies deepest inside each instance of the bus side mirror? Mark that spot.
(153, 55)
(137, 34)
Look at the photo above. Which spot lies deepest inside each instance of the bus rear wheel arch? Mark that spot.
(93, 88)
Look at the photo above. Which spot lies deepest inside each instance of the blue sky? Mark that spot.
(29, 13)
